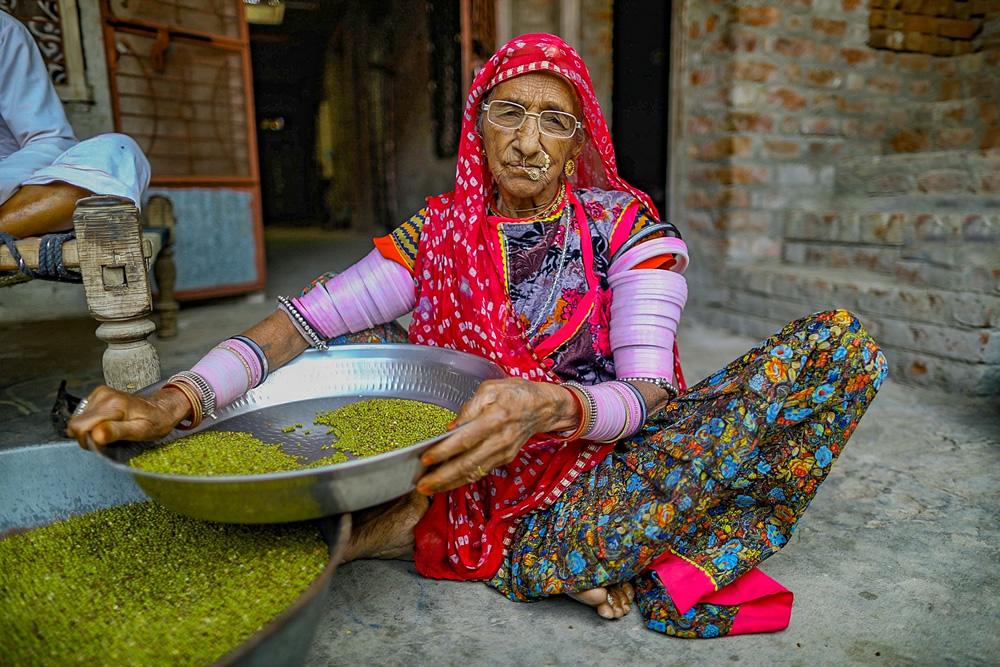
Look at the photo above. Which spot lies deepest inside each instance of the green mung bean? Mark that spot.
(139, 585)
(380, 425)
(216, 453)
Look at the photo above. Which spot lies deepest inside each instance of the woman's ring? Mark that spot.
(481, 473)
(80, 408)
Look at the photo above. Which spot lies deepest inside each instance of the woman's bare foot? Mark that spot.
(386, 531)
(611, 601)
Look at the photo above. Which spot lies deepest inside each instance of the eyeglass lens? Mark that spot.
(511, 115)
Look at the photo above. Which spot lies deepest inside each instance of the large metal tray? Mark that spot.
(315, 381)
(43, 484)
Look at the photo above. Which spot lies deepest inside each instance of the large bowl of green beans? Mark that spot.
(91, 576)
(283, 410)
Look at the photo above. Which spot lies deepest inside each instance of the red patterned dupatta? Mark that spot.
(462, 303)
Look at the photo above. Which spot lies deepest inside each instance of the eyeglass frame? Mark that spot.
(538, 117)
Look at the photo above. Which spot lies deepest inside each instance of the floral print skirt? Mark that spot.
(719, 477)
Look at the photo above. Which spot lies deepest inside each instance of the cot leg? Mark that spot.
(109, 243)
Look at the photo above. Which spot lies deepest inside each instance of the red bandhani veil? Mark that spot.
(462, 304)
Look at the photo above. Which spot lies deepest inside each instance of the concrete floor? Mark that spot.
(896, 562)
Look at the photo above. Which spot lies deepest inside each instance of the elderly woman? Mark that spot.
(590, 470)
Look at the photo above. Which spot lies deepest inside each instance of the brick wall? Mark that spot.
(812, 170)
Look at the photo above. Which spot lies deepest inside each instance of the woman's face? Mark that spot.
(513, 154)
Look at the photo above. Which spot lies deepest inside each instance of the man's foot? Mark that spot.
(386, 531)
(611, 601)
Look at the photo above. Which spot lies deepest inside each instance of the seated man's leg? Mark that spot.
(108, 164)
(35, 210)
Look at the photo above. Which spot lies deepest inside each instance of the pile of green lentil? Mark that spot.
(380, 425)
(139, 585)
(364, 428)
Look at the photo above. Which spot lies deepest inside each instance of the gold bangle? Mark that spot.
(192, 399)
(585, 415)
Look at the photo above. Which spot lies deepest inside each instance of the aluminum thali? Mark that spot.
(315, 381)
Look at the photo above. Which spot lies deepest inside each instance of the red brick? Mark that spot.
(748, 70)
(939, 7)
(758, 16)
(826, 53)
(794, 24)
(742, 40)
(824, 78)
(856, 56)
(911, 141)
(703, 75)
(959, 29)
(793, 47)
(991, 140)
(700, 125)
(711, 22)
(745, 221)
(954, 114)
(983, 7)
(824, 101)
(850, 5)
(786, 98)
(914, 41)
(944, 180)
(961, 47)
(927, 25)
(850, 127)
(920, 88)
(824, 149)
(877, 19)
(896, 39)
(879, 39)
(915, 62)
(733, 174)
(989, 112)
(894, 20)
(749, 122)
(733, 198)
(912, 5)
(775, 148)
(873, 129)
(829, 27)
(963, 10)
(885, 84)
(740, 146)
(698, 199)
(950, 90)
(822, 126)
(853, 105)
(954, 137)
(694, 31)
(991, 179)
(793, 73)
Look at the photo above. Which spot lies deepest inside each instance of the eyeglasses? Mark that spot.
(511, 116)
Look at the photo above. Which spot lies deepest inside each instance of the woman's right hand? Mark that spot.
(111, 415)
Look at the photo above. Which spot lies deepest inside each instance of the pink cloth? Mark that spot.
(764, 604)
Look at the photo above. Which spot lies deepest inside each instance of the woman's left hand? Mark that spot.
(497, 421)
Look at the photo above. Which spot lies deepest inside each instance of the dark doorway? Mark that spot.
(641, 47)
(288, 61)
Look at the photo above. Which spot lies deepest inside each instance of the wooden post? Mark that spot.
(109, 243)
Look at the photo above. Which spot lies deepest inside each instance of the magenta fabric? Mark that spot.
(764, 604)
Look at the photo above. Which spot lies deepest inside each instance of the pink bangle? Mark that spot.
(226, 373)
(612, 414)
(249, 358)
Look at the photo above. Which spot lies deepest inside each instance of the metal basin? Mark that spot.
(315, 381)
(43, 484)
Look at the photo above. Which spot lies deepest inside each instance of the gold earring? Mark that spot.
(569, 167)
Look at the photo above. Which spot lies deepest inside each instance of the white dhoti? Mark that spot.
(108, 164)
